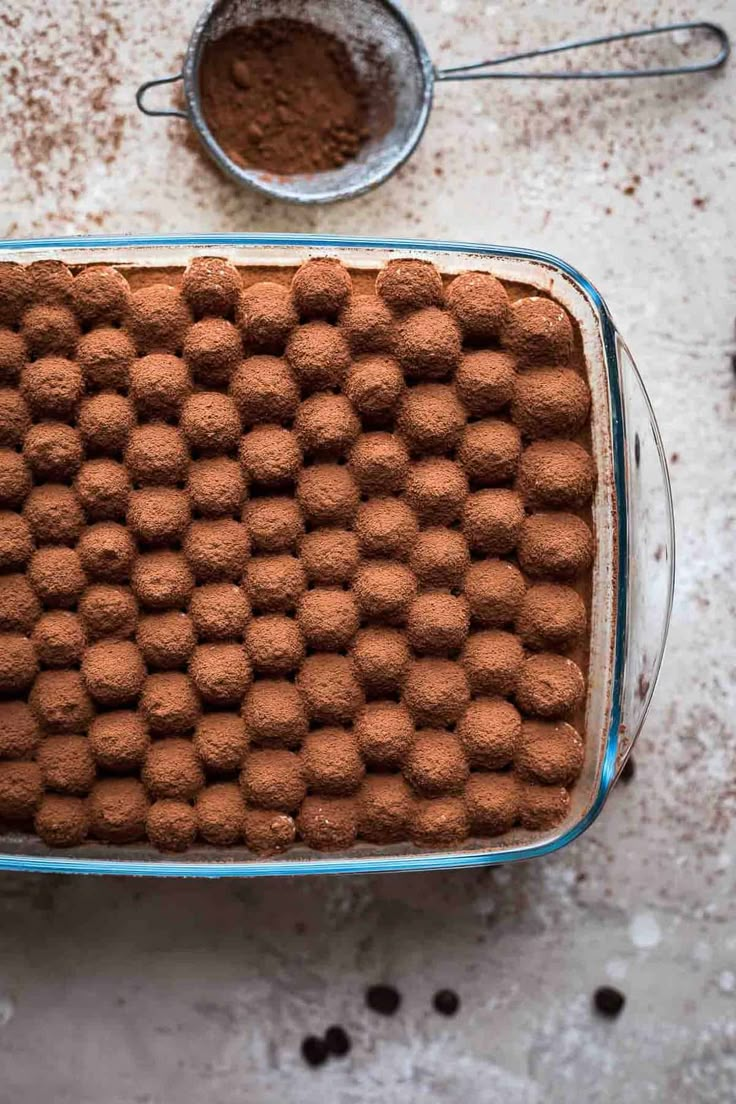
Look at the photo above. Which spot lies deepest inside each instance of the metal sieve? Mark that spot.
(379, 37)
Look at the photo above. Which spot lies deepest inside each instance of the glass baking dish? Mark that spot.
(633, 573)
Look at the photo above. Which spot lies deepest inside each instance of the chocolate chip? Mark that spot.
(314, 1050)
(608, 1001)
(446, 1002)
(628, 770)
(383, 998)
(337, 1041)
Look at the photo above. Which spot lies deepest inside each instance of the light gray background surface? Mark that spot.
(133, 992)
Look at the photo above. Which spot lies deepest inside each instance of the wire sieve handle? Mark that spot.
(473, 72)
(171, 112)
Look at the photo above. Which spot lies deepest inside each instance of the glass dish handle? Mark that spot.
(651, 540)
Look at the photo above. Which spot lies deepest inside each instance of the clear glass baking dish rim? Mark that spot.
(611, 761)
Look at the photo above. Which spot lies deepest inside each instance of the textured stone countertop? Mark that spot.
(129, 992)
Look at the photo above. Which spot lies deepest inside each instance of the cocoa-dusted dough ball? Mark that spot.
(56, 575)
(550, 402)
(327, 494)
(366, 323)
(221, 672)
(159, 385)
(211, 286)
(331, 762)
(166, 639)
(440, 558)
(15, 291)
(212, 351)
(221, 742)
(407, 285)
(492, 661)
(266, 316)
(51, 282)
(15, 478)
(52, 387)
(264, 390)
(268, 831)
(16, 544)
(50, 331)
(542, 806)
(430, 418)
(274, 583)
(105, 357)
(328, 618)
(274, 644)
(211, 422)
(549, 685)
(321, 287)
(219, 611)
(328, 823)
(60, 701)
(117, 810)
(386, 527)
(437, 622)
(220, 814)
(273, 779)
(217, 549)
(384, 589)
(18, 663)
(274, 713)
(556, 473)
(374, 385)
(157, 453)
(379, 463)
(21, 790)
(493, 802)
(108, 610)
(100, 295)
(169, 703)
(15, 418)
(162, 580)
(385, 805)
(551, 616)
(119, 740)
(381, 657)
(435, 763)
(157, 319)
(13, 354)
(492, 520)
(436, 691)
(216, 486)
(103, 488)
(114, 671)
(270, 455)
(550, 752)
(494, 590)
(19, 735)
(105, 421)
(53, 450)
(329, 556)
(172, 769)
(326, 424)
(62, 821)
(107, 552)
(67, 764)
(19, 607)
(331, 691)
(59, 639)
(428, 344)
(158, 515)
(560, 545)
(436, 490)
(489, 732)
(171, 825)
(439, 822)
(538, 331)
(275, 524)
(480, 305)
(318, 355)
(489, 451)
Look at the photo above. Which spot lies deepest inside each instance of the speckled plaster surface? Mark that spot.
(134, 992)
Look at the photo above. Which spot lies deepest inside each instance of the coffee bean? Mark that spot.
(314, 1050)
(608, 1001)
(337, 1041)
(446, 1002)
(383, 998)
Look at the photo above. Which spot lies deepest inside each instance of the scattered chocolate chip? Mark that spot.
(314, 1050)
(608, 1001)
(628, 770)
(446, 1002)
(337, 1041)
(383, 998)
